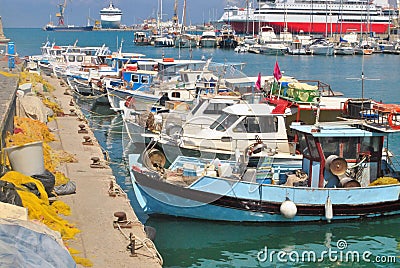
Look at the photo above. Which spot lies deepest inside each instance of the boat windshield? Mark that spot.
(224, 121)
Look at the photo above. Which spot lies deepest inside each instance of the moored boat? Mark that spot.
(345, 175)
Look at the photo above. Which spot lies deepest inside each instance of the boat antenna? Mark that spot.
(362, 82)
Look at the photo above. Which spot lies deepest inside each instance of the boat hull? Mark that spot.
(208, 43)
(225, 200)
(69, 28)
(316, 27)
(111, 24)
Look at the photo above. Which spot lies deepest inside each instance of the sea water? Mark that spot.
(196, 243)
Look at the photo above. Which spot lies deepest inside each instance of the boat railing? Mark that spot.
(324, 88)
(271, 145)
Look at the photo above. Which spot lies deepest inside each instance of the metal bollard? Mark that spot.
(82, 129)
(132, 245)
(96, 162)
(72, 112)
(87, 140)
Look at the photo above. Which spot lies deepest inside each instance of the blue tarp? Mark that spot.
(23, 247)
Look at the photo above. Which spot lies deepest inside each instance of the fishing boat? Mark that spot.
(164, 41)
(212, 93)
(322, 17)
(296, 47)
(185, 41)
(321, 47)
(141, 38)
(227, 38)
(346, 174)
(142, 126)
(148, 86)
(344, 48)
(208, 39)
(257, 130)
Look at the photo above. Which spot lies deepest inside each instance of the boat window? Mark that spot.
(251, 124)
(218, 120)
(224, 122)
(135, 78)
(350, 148)
(371, 145)
(312, 147)
(79, 58)
(241, 127)
(302, 147)
(268, 124)
(71, 58)
(195, 109)
(175, 94)
(145, 79)
(185, 78)
(215, 108)
(330, 146)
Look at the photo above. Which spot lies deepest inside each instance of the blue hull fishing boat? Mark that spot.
(346, 174)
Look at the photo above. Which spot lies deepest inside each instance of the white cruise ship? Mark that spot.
(110, 17)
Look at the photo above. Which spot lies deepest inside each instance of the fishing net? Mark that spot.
(36, 80)
(384, 181)
(61, 179)
(39, 207)
(28, 130)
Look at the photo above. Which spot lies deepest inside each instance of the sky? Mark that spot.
(36, 13)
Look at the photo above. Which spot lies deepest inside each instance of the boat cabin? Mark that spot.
(338, 155)
(135, 79)
(240, 126)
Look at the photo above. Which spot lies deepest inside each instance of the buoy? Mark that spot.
(328, 209)
(288, 209)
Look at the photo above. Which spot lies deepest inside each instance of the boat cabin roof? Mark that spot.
(250, 109)
(335, 130)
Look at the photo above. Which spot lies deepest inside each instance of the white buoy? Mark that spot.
(288, 209)
(328, 209)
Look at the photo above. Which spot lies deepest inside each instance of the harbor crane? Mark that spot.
(60, 14)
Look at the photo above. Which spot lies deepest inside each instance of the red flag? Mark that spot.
(258, 82)
(277, 72)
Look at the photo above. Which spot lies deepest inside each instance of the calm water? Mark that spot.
(190, 243)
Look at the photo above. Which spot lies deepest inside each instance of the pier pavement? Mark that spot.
(92, 208)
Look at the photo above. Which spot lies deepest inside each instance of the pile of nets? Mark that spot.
(36, 81)
(28, 130)
(35, 198)
(384, 181)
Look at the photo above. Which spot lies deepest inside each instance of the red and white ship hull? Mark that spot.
(320, 17)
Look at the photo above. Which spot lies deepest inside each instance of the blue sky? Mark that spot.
(36, 13)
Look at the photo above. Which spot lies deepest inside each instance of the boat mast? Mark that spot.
(175, 20)
(247, 17)
(183, 17)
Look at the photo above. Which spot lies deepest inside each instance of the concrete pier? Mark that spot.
(92, 206)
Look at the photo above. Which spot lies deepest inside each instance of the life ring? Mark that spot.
(256, 147)
(391, 123)
(130, 102)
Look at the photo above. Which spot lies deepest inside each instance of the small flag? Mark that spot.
(258, 82)
(277, 72)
